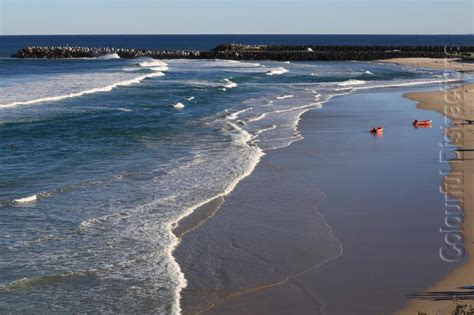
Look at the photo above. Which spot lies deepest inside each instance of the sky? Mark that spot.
(32, 17)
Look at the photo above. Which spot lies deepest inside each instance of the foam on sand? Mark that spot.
(405, 83)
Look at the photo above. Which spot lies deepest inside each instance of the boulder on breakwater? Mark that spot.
(253, 52)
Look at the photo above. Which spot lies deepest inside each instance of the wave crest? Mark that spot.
(277, 71)
(29, 199)
(107, 88)
(352, 82)
(109, 57)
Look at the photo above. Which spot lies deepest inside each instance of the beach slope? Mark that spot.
(458, 105)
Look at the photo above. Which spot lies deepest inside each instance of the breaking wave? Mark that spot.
(277, 71)
(86, 91)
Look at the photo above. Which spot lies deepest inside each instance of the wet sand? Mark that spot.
(458, 105)
(340, 222)
(435, 63)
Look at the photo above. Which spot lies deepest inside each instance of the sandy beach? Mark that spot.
(457, 104)
(285, 241)
(237, 157)
(440, 64)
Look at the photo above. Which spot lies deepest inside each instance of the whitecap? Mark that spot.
(352, 82)
(229, 84)
(179, 106)
(277, 71)
(122, 109)
(106, 88)
(154, 65)
(28, 199)
(257, 118)
(236, 114)
(284, 97)
(109, 56)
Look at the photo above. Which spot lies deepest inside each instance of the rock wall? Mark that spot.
(253, 52)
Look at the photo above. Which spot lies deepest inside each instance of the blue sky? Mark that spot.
(236, 17)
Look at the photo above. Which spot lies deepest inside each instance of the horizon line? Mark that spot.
(248, 34)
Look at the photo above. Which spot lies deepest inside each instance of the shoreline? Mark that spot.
(196, 216)
(457, 185)
(200, 214)
(207, 213)
(237, 298)
(433, 63)
(193, 220)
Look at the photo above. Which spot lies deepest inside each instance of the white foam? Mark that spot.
(257, 118)
(368, 72)
(242, 139)
(107, 88)
(131, 69)
(277, 71)
(28, 199)
(352, 82)
(152, 63)
(230, 64)
(403, 84)
(191, 98)
(285, 97)
(122, 109)
(229, 84)
(236, 114)
(271, 127)
(179, 106)
(159, 69)
(109, 56)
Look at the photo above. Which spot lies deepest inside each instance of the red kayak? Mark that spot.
(377, 130)
(422, 123)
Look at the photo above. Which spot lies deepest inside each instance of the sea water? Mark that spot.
(100, 158)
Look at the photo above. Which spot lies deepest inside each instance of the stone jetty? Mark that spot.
(254, 52)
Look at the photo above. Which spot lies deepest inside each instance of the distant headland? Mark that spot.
(255, 52)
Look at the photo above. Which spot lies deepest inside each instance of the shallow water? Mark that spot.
(97, 164)
(341, 222)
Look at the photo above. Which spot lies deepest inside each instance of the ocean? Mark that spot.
(100, 158)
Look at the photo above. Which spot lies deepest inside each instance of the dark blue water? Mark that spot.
(10, 44)
(100, 158)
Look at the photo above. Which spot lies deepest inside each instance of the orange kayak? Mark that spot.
(422, 123)
(377, 130)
